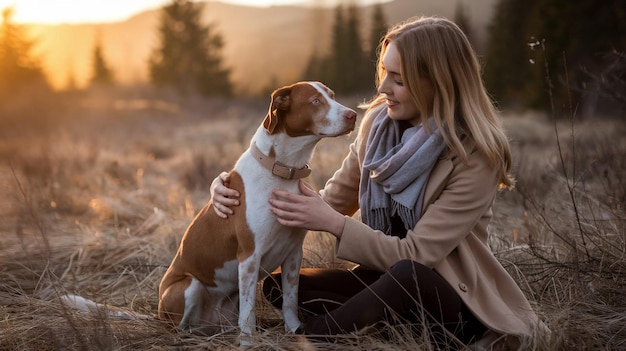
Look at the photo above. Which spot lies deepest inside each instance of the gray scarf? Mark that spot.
(395, 172)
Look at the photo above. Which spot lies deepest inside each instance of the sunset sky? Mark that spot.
(82, 11)
(65, 54)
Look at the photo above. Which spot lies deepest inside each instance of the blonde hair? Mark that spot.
(438, 50)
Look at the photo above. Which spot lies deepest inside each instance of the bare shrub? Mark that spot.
(127, 180)
(574, 263)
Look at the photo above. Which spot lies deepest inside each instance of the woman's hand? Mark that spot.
(308, 211)
(222, 196)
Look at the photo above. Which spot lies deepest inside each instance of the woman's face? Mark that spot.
(400, 104)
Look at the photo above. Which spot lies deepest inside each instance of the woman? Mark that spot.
(424, 171)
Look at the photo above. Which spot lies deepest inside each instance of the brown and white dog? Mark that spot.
(212, 280)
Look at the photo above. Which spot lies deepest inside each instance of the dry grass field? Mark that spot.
(97, 189)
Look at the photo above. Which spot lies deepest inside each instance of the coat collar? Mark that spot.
(437, 181)
(441, 172)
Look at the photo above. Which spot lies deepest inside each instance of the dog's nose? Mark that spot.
(349, 114)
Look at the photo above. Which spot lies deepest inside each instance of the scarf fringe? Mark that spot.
(395, 172)
(407, 215)
(381, 217)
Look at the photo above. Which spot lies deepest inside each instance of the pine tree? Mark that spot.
(553, 34)
(189, 55)
(101, 73)
(548, 54)
(70, 83)
(314, 68)
(356, 67)
(18, 68)
(461, 19)
(508, 60)
(348, 63)
(337, 58)
(577, 37)
(378, 30)
(348, 68)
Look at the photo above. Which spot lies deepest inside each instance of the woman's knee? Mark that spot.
(408, 272)
(272, 289)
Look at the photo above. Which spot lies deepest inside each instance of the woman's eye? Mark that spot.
(399, 82)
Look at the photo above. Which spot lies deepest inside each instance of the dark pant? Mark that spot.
(338, 301)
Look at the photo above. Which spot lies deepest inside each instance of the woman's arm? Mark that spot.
(339, 198)
(307, 211)
(341, 191)
(223, 197)
(465, 200)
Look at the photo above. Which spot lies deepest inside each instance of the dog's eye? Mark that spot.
(316, 101)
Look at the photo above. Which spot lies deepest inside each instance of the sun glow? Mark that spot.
(95, 11)
(76, 11)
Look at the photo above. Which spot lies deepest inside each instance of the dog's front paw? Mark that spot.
(245, 341)
(294, 327)
(300, 330)
(292, 322)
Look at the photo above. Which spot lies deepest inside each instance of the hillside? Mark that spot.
(263, 45)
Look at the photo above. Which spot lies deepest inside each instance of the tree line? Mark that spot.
(561, 56)
(543, 54)
(18, 68)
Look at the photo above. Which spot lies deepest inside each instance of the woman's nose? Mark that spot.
(382, 89)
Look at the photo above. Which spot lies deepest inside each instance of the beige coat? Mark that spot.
(450, 237)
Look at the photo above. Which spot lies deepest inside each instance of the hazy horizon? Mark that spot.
(36, 12)
(262, 45)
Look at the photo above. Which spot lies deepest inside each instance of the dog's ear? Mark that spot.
(280, 103)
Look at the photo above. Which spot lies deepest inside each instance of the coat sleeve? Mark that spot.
(466, 196)
(341, 191)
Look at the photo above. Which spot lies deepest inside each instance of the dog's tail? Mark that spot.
(85, 305)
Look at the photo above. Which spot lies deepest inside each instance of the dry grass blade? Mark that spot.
(96, 206)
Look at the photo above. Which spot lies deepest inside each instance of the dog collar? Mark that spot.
(277, 168)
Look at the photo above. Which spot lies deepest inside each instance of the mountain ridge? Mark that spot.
(263, 45)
